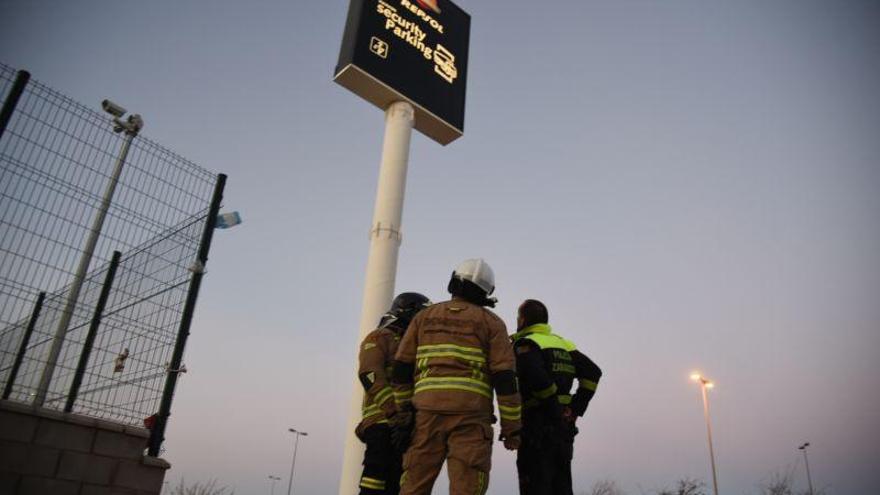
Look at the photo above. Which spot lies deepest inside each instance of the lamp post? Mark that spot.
(273, 479)
(293, 462)
(807, 463)
(705, 383)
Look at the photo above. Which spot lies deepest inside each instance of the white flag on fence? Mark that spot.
(227, 220)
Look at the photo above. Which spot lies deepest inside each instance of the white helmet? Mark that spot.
(478, 272)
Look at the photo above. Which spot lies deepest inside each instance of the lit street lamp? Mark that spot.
(807, 463)
(274, 479)
(293, 462)
(705, 383)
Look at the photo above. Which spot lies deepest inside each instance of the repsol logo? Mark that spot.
(421, 14)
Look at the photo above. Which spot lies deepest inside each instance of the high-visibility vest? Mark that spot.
(558, 363)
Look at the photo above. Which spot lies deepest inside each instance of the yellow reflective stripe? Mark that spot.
(423, 366)
(477, 372)
(481, 483)
(434, 347)
(510, 413)
(587, 384)
(450, 350)
(452, 354)
(547, 392)
(482, 384)
(383, 395)
(454, 383)
(402, 479)
(370, 411)
(372, 483)
(401, 398)
(456, 386)
(564, 399)
(510, 409)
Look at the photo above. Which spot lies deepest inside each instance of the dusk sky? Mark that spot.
(687, 184)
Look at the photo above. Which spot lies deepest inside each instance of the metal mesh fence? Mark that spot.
(56, 158)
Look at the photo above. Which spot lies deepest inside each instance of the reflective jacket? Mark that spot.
(453, 356)
(374, 369)
(548, 364)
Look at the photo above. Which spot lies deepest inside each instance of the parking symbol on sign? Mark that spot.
(379, 47)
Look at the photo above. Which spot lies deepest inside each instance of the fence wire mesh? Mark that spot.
(56, 158)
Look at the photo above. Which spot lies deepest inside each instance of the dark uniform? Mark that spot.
(382, 462)
(547, 366)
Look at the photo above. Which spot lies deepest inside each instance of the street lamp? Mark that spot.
(293, 462)
(274, 479)
(807, 463)
(705, 383)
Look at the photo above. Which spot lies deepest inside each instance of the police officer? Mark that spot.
(382, 463)
(547, 366)
(451, 360)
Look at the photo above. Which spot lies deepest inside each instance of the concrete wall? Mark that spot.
(45, 452)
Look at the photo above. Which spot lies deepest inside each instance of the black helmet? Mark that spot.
(403, 309)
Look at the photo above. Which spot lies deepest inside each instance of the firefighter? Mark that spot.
(382, 463)
(547, 366)
(452, 358)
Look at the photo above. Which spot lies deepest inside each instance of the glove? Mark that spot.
(568, 416)
(402, 425)
(511, 440)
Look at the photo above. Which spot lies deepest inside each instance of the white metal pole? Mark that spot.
(709, 431)
(385, 241)
(82, 269)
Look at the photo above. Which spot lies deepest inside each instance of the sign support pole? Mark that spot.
(385, 242)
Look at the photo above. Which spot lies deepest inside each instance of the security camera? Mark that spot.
(112, 108)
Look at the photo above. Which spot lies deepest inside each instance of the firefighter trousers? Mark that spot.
(543, 461)
(464, 441)
(382, 463)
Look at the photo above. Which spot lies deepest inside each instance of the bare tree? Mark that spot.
(685, 486)
(206, 488)
(779, 484)
(818, 491)
(605, 487)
